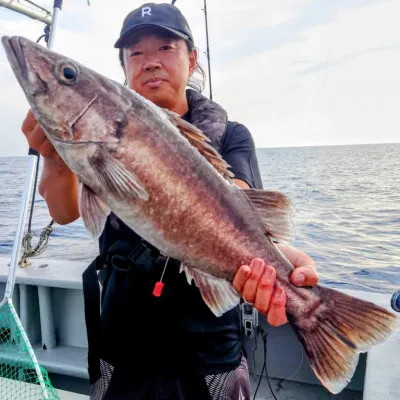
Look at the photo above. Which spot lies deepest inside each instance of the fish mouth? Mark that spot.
(29, 79)
(16, 57)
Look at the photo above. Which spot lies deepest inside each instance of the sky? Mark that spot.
(294, 72)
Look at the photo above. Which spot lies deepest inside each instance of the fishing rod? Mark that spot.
(208, 47)
(207, 53)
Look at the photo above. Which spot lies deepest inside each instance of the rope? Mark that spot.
(40, 247)
(46, 34)
(28, 251)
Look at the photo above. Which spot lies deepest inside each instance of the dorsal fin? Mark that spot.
(275, 210)
(200, 141)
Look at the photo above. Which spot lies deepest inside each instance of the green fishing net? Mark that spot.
(21, 377)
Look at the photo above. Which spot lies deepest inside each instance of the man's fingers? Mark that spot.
(304, 276)
(277, 310)
(36, 137)
(241, 278)
(305, 272)
(47, 149)
(265, 289)
(29, 123)
(250, 286)
(38, 141)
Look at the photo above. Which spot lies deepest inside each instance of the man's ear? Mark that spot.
(124, 69)
(192, 61)
(126, 80)
(124, 60)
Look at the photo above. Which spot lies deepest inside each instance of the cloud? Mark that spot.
(347, 57)
(348, 96)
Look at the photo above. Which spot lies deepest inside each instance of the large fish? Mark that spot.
(160, 176)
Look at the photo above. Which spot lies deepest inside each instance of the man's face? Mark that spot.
(159, 67)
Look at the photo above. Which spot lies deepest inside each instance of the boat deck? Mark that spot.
(49, 301)
(287, 391)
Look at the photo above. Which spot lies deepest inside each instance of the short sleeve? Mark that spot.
(238, 150)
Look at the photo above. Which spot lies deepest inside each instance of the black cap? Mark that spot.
(165, 16)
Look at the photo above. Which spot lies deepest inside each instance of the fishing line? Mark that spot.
(298, 368)
(264, 336)
(262, 371)
(282, 381)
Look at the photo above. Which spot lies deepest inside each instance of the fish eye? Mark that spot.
(66, 73)
(69, 73)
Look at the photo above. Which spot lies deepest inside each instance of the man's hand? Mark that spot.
(58, 185)
(305, 272)
(256, 283)
(37, 139)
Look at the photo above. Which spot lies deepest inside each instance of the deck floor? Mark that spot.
(287, 391)
(298, 391)
(71, 396)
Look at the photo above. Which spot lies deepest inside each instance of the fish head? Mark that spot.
(72, 103)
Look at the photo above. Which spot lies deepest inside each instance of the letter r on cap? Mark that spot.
(146, 11)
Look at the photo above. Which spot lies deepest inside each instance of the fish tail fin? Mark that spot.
(338, 330)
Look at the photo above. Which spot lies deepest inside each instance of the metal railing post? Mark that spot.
(30, 176)
(20, 8)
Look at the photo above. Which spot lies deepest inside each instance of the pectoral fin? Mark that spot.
(93, 210)
(219, 294)
(114, 175)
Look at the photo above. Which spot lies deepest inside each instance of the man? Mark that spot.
(172, 346)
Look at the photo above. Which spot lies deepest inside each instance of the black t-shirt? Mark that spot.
(238, 150)
(177, 327)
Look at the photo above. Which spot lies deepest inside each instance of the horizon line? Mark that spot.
(283, 147)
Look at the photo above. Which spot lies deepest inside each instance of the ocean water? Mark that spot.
(346, 201)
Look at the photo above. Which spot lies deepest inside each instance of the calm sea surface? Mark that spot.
(347, 211)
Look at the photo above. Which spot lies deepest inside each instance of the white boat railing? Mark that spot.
(31, 10)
